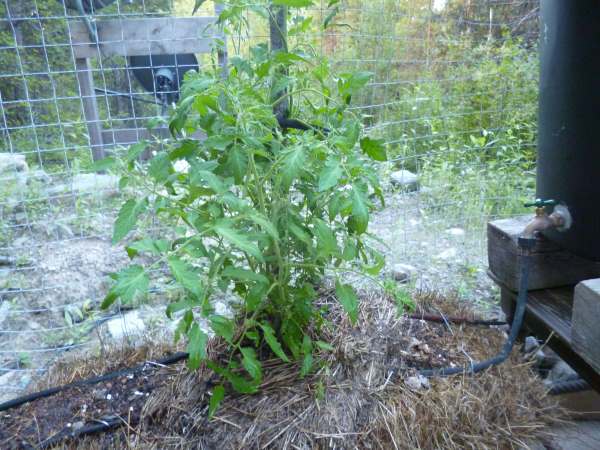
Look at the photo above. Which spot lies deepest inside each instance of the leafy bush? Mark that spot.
(260, 210)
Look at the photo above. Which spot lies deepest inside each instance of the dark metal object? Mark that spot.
(162, 74)
(569, 120)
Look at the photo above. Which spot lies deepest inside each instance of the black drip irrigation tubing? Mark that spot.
(169, 360)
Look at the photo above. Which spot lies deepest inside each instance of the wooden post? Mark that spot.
(90, 106)
(278, 35)
(585, 332)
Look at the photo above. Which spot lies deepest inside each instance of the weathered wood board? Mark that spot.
(145, 36)
(585, 324)
(551, 266)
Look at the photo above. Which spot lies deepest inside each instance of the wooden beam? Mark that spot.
(145, 36)
(585, 332)
(551, 266)
(90, 107)
(128, 136)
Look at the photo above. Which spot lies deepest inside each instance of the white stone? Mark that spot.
(12, 383)
(127, 325)
(455, 232)
(417, 382)
(12, 162)
(98, 184)
(405, 179)
(449, 253)
(561, 371)
(402, 273)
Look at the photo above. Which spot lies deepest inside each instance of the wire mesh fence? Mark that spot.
(454, 95)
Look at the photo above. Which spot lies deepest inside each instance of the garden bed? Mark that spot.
(365, 394)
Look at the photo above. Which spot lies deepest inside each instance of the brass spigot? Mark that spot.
(559, 219)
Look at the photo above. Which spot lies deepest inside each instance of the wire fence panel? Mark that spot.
(453, 94)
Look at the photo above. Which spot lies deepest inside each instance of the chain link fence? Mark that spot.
(454, 95)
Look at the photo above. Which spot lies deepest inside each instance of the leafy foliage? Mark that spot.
(262, 212)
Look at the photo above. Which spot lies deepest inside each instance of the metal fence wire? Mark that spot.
(454, 95)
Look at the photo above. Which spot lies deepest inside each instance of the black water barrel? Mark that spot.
(568, 168)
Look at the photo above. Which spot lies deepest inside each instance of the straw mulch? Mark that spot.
(365, 394)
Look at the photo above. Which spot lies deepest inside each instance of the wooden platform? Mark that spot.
(548, 317)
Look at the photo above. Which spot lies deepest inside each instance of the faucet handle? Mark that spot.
(539, 203)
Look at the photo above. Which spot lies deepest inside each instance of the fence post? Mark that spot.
(278, 35)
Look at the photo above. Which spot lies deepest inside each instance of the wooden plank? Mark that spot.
(145, 36)
(127, 136)
(90, 107)
(551, 266)
(586, 315)
(548, 317)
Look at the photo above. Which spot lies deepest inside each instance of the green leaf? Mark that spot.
(104, 164)
(160, 167)
(293, 3)
(196, 347)
(326, 240)
(293, 165)
(128, 282)
(154, 247)
(238, 240)
(330, 175)
(273, 342)
(265, 224)
(324, 346)
(330, 17)
(186, 275)
(136, 150)
(197, 5)
(359, 220)
(378, 264)
(218, 394)
(237, 164)
(127, 217)
(251, 363)
(241, 385)
(213, 181)
(348, 299)
(244, 275)
(307, 361)
(186, 303)
(374, 148)
(222, 326)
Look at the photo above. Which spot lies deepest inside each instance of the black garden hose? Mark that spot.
(525, 244)
(169, 360)
(569, 386)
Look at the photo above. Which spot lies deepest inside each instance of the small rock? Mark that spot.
(561, 371)
(12, 162)
(455, 232)
(127, 325)
(402, 273)
(405, 179)
(417, 382)
(40, 176)
(99, 394)
(531, 344)
(449, 253)
(98, 184)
